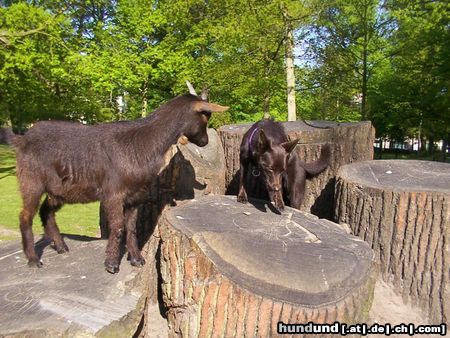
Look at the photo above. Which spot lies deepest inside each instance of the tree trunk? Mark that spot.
(401, 208)
(266, 103)
(144, 112)
(290, 72)
(233, 270)
(350, 142)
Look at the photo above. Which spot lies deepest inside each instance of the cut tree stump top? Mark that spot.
(294, 126)
(72, 295)
(293, 257)
(403, 175)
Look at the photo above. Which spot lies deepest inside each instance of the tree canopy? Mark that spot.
(382, 60)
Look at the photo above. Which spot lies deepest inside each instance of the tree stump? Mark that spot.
(71, 295)
(350, 142)
(235, 270)
(401, 208)
(189, 171)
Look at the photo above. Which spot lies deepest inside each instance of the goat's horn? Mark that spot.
(191, 88)
(212, 107)
(204, 94)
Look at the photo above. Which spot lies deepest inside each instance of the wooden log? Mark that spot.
(401, 208)
(189, 172)
(350, 142)
(236, 270)
(71, 296)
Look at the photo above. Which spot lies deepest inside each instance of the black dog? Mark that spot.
(267, 153)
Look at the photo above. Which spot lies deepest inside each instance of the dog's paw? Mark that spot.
(242, 198)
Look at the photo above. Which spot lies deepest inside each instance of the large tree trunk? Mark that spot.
(401, 208)
(236, 270)
(350, 142)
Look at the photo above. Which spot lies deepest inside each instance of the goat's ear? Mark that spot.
(200, 106)
(263, 142)
(290, 145)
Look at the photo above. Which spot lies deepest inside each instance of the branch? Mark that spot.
(4, 34)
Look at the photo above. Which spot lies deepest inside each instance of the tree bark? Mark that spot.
(290, 71)
(350, 142)
(232, 270)
(401, 208)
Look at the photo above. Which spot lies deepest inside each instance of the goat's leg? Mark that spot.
(135, 256)
(47, 213)
(114, 214)
(30, 197)
(242, 195)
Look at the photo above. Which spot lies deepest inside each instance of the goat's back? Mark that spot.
(68, 158)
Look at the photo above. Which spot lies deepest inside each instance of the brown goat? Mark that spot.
(111, 162)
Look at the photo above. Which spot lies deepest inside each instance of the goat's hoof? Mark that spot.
(35, 263)
(139, 261)
(62, 249)
(112, 267)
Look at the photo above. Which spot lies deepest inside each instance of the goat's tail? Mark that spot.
(321, 163)
(7, 136)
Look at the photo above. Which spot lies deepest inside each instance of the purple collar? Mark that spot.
(250, 140)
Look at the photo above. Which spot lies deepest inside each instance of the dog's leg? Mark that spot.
(296, 187)
(242, 195)
(114, 213)
(135, 256)
(47, 213)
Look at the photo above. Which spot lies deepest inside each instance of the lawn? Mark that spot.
(80, 219)
(409, 155)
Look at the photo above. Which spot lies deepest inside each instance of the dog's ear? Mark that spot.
(263, 142)
(290, 145)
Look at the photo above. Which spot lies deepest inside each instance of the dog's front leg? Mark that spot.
(242, 195)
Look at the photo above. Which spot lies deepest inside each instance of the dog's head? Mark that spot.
(272, 160)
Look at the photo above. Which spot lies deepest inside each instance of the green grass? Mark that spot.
(409, 155)
(79, 219)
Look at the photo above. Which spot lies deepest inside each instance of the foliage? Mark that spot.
(383, 60)
(412, 96)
